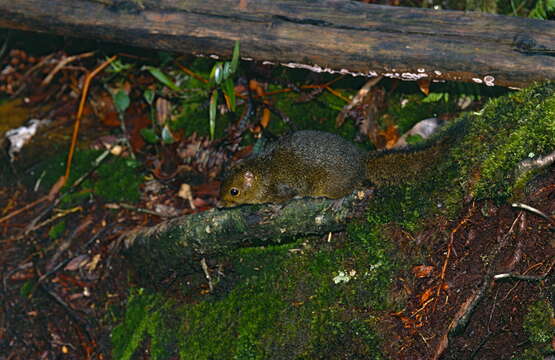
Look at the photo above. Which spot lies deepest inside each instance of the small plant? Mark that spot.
(434, 97)
(160, 130)
(542, 9)
(122, 102)
(220, 81)
(221, 77)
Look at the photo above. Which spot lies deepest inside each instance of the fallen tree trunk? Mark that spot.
(327, 35)
(179, 244)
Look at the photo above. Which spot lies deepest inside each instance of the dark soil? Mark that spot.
(488, 240)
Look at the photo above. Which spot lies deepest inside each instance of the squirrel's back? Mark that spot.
(304, 163)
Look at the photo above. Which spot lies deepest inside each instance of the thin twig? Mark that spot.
(537, 163)
(28, 73)
(134, 208)
(190, 72)
(524, 273)
(79, 114)
(26, 207)
(121, 117)
(78, 321)
(62, 63)
(5, 44)
(510, 276)
(44, 223)
(535, 211)
(450, 247)
(207, 274)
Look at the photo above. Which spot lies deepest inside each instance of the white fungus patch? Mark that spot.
(413, 76)
(20, 136)
(489, 80)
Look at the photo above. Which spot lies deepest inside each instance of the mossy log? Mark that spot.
(351, 37)
(179, 244)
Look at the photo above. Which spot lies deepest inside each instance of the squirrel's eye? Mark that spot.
(234, 191)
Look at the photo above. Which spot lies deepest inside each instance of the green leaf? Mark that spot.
(213, 108)
(117, 66)
(227, 70)
(414, 139)
(121, 100)
(57, 230)
(434, 97)
(216, 75)
(229, 90)
(27, 288)
(163, 78)
(165, 57)
(235, 57)
(538, 12)
(150, 136)
(167, 136)
(149, 96)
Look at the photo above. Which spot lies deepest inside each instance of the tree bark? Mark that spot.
(179, 244)
(325, 35)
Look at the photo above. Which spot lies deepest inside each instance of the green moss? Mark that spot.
(145, 317)
(317, 114)
(530, 354)
(538, 322)
(285, 304)
(538, 325)
(57, 230)
(479, 159)
(509, 129)
(235, 325)
(116, 179)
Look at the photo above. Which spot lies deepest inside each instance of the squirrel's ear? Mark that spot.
(249, 178)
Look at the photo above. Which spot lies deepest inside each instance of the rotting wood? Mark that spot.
(182, 242)
(327, 35)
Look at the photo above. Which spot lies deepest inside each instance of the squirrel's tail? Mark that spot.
(394, 167)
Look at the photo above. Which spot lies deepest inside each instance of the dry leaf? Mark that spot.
(422, 271)
(426, 295)
(77, 262)
(186, 193)
(93, 263)
(424, 85)
(163, 110)
(390, 135)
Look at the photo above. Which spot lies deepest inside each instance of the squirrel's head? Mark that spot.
(241, 185)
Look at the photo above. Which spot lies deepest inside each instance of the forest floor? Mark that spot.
(65, 282)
